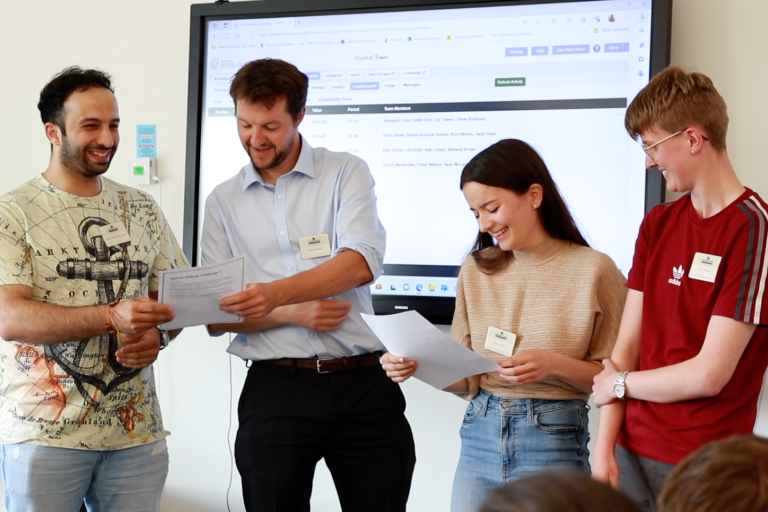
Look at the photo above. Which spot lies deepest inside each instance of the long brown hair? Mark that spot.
(514, 165)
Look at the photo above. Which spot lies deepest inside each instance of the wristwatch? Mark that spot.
(165, 339)
(620, 388)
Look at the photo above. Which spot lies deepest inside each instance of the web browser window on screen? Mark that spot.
(418, 93)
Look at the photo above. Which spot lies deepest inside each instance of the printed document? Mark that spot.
(194, 293)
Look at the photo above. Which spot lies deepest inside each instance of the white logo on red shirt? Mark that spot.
(677, 273)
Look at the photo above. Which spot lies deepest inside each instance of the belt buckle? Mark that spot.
(321, 359)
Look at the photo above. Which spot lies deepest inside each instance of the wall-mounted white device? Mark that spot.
(143, 171)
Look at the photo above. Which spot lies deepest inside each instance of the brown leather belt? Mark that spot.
(328, 365)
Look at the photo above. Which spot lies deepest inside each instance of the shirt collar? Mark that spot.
(305, 165)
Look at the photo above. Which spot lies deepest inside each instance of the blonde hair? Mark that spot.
(727, 475)
(674, 100)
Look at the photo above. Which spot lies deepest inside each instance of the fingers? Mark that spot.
(338, 306)
(398, 368)
(139, 314)
(250, 303)
(602, 389)
(519, 374)
(237, 298)
(515, 371)
(138, 361)
(139, 350)
(507, 363)
(320, 315)
(329, 324)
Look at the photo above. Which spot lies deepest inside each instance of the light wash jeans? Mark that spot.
(504, 440)
(47, 479)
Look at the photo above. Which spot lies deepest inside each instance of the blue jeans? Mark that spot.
(504, 440)
(46, 479)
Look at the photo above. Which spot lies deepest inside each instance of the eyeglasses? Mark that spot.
(651, 150)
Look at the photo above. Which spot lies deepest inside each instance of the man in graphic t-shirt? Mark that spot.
(80, 257)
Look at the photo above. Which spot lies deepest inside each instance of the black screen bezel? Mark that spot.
(438, 310)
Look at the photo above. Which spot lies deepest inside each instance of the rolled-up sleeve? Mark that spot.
(357, 222)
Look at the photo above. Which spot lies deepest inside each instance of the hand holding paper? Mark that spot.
(441, 360)
(251, 303)
(194, 293)
(398, 368)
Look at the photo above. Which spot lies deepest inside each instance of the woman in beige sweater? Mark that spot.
(535, 298)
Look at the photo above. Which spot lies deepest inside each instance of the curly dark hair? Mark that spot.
(56, 92)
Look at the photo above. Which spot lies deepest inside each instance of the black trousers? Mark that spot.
(291, 418)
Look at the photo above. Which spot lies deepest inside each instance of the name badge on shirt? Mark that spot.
(500, 341)
(704, 267)
(315, 246)
(115, 234)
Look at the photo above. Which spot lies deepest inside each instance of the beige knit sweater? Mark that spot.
(556, 296)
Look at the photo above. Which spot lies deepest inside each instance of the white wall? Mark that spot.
(144, 44)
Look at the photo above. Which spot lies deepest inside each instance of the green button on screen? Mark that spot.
(138, 171)
(510, 82)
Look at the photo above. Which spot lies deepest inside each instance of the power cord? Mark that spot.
(229, 429)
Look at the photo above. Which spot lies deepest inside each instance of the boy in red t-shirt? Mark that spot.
(689, 360)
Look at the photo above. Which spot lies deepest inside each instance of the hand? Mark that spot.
(319, 315)
(140, 350)
(252, 303)
(139, 314)
(399, 369)
(604, 382)
(606, 469)
(528, 366)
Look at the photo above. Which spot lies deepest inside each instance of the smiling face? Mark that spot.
(270, 136)
(672, 157)
(89, 141)
(509, 218)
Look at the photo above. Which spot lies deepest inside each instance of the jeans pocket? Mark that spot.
(563, 420)
(473, 410)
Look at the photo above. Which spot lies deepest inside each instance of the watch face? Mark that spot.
(618, 391)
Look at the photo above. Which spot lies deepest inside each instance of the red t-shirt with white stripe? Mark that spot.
(677, 310)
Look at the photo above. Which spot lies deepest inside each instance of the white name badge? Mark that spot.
(115, 234)
(500, 341)
(704, 267)
(315, 246)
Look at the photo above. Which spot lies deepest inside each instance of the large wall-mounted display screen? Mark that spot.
(418, 88)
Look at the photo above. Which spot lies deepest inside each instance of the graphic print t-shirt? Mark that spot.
(76, 394)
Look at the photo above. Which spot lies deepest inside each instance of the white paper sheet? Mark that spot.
(442, 361)
(194, 293)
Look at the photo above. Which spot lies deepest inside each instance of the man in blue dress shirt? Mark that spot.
(305, 220)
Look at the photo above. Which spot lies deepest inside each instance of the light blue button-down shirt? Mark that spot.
(325, 193)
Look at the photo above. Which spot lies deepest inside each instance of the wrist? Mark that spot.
(620, 385)
(276, 294)
(165, 338)
(605, 447)
(284, 315)
(111, 317)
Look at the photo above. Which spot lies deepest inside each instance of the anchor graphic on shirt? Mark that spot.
(104, 271)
